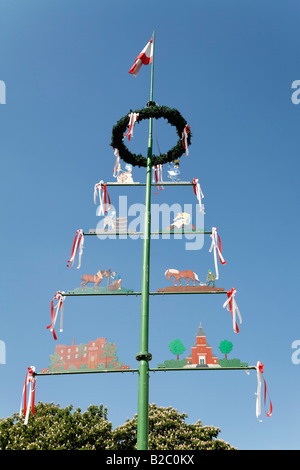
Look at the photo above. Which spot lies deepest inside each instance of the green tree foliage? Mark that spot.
(168, 430)
(55, 428)
(177, 347)
(108, 351)
(225, 347)
(81, 350)
(55, 361)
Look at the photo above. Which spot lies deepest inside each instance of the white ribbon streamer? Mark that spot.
(184, 138)
(28, 404)
(55, 310)
(98, 192)
(157, 176)
(199, 194)
(77, 245)
(133, 117)
(217, 250)
(258, 393)
(260, 378)
(80, 250)
(232, 307)
(115, 170)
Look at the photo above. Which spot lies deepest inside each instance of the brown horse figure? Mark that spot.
(187, 275)
(96, 278)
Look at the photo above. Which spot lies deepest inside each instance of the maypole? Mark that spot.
(151, 111)
(144, 356)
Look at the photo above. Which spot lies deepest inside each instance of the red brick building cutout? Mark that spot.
(98, 354)
(201, 354)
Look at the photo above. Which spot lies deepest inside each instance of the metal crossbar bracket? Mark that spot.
(144, 356)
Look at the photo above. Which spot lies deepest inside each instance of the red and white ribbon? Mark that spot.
(157, 176)
(115, 170)
(217, 247)
(100, 190)
(232, 307)
(184, 138)
(55, 310)
(133, 117)
(199, 194)
(260, 377)
(30, 381)
(77, 246)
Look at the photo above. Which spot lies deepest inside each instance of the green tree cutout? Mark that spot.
(225, 347)
(177, 347)
(81, 351)
(108, 351)
(55, 361)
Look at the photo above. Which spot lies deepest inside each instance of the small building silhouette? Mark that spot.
(201, 354)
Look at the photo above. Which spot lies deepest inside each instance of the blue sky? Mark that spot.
(228, 68)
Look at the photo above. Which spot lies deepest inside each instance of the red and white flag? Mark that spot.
(145, 57)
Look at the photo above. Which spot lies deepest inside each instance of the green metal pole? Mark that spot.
(144, 357)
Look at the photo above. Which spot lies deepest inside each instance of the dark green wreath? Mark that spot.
(151, 110)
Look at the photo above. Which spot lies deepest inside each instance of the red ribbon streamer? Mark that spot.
(184, 137)
(29, 378)
(58, 296)
(229, 294)
(261, 370)
(106, 199)
(194, 182)
(76, 244)
(158, 174)
(105, 196)
(133, 117)
(198, 193)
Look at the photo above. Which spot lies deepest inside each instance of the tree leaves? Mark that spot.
(55, 428)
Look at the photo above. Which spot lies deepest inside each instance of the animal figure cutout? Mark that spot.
(174, 171)
(124, 176)
(96, 278)
(187, 275)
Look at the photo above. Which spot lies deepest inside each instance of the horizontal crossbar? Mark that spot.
(164, 183)
(160, 232)
(112, 293)
(159, 369)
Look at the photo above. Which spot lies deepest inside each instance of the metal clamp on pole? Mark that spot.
(144, 356)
